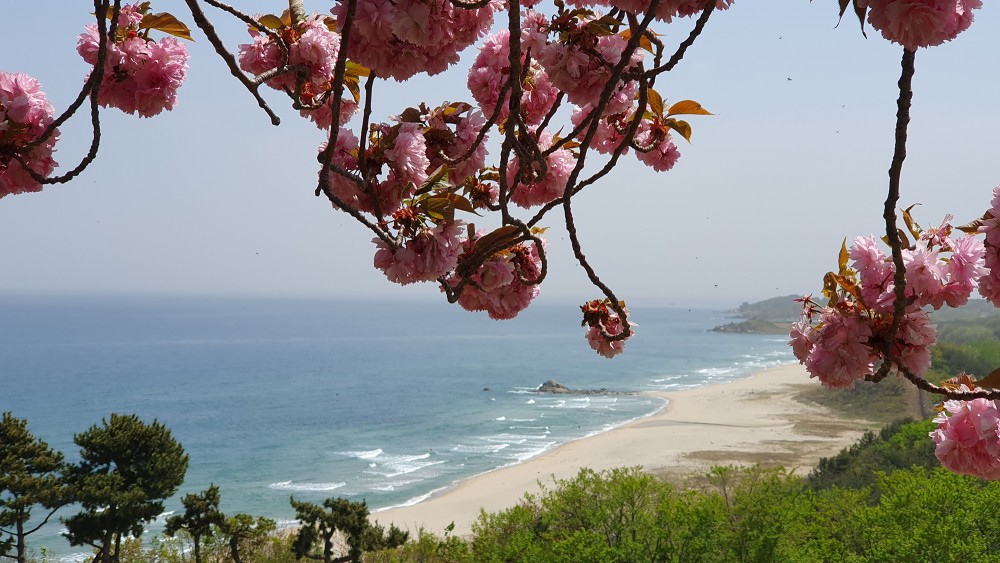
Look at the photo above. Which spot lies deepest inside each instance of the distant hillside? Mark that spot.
(974, 310)
(770, 316)
(775, 309)
(755, 326)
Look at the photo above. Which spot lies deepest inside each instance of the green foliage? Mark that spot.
(161, 549)
(748, 515)
(882, 402)
(245, 536)
(322, 524)
(127, 469)
(920, 515)
(759, 506)
(200, 519)
(977, 357)
(626, 515)
(427, 548)
(30, 477)
(899, 445)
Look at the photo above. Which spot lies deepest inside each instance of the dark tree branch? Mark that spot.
(891, 200)
(683, 47)
(208, 29)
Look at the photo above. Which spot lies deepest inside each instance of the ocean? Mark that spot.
(383, 401)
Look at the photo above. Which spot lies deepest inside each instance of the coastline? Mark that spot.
(752, 420)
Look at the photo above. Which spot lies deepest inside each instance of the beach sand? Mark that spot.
(752, 420)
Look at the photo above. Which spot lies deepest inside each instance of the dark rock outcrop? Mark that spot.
(553, 386)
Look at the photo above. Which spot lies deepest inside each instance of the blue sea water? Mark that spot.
(381, 401)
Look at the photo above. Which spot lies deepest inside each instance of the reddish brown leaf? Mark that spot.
(167, 24)
(688, 107)
(992, 380)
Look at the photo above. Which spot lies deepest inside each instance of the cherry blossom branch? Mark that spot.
(683, 47)
(208, 29)
(627, 140)
(91, 88)
(552, 111)
(470, 5)
(366, 117)
(892, 199)
(100, 7)
(481, 136)
(633, 44)
(297, 11)
(326, 156)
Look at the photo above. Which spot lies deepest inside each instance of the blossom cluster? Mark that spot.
(989, 284)
(844, 341)
(140, 75)
(505, 283)
(401, 38)
(600, 319)
(665, 11)
(530, 186)
(25, 113)
(400, 157)
(967, 438)
(427, 255)
(921, 23)
(311, 46)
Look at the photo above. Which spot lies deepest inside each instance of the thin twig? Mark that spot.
(683, 47)
(615, 304)
(208, 29)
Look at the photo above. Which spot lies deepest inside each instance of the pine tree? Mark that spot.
(321, 523)
(31, 475)
(243, 531)
(127, 469)
(200, 519)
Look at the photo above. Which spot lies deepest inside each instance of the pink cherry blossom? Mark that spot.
(964, 270)
(875, 271)
(913, 341)
(801, 338)
(313, 46)
(583, 73)
(499, 287)
(921, 23)
(664, 154)
(491, 70)
(967, 438)
(924, 270)
(451, 130)
(140, 76)
(407, 158)
(426, 256)
(25, 113)
(389, 193)
(991, 225)
(841, 353)
(989, 285)
(607, 138)
(666, 11)
(931, 278)
(538, 191)
(608, 348)
(401, 38)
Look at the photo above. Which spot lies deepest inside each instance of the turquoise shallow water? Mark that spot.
(381, 401)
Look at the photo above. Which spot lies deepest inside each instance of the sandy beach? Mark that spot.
(752, 420)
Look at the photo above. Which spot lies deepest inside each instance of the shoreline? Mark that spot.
(750, 420)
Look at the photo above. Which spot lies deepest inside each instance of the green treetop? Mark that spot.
(30, 476)
(127, 469)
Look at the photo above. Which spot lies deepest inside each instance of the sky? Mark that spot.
(211, 199)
